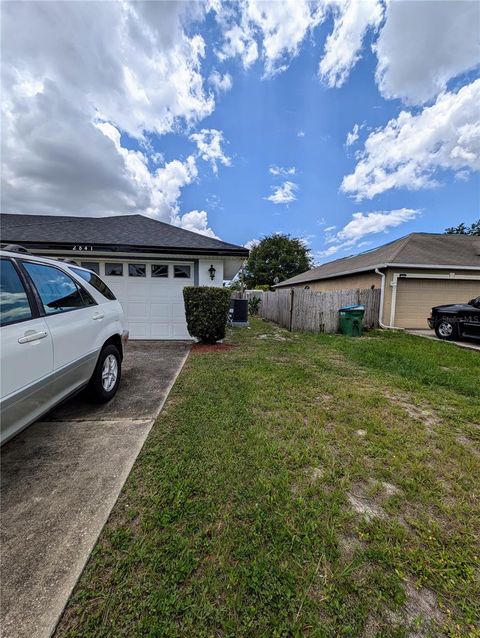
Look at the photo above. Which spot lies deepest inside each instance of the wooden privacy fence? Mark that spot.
(306, 310)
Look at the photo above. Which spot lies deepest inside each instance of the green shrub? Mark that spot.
(254, 305)
(206, 310)
(264, 287)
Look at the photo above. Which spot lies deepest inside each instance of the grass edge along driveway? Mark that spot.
(299, 485)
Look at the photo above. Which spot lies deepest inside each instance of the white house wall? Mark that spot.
(204, 276)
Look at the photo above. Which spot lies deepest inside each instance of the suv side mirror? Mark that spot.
(475, 302)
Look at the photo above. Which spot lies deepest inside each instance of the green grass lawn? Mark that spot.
(299, 485)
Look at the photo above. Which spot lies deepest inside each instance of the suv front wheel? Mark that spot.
(106, 377)
(446, 329)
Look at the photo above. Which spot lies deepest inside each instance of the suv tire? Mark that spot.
(447, 329)
(106, 377)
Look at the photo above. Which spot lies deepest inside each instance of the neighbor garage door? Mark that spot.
(416, 297)
(151, 295)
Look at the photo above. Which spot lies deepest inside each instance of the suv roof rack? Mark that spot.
(15, 248)
(66, 260)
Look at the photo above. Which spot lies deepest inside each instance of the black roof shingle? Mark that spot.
(124, 231)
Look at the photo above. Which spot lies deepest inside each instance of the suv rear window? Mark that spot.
(96, 282)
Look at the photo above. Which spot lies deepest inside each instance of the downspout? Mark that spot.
(393, 305)
(382, 299)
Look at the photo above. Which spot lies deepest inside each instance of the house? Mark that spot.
(414, 273)
(145, 262)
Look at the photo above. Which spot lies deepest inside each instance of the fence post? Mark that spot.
(291, 308)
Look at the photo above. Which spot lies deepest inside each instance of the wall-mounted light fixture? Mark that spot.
(211, 272)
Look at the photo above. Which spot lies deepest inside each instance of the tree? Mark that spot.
(461, 229)
(276, 258)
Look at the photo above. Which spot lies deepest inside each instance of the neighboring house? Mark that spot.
(414, 273)
(146, 263)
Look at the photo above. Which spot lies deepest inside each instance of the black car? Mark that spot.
(456, 320)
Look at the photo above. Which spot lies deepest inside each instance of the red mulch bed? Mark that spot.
(212, 347)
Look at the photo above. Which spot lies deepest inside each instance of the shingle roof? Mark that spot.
(120, 230)
(422, 249)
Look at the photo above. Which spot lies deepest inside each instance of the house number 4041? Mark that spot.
(79, 247)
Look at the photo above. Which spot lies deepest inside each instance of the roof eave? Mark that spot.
(130, 248)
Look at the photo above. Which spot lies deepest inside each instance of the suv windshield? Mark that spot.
(95, 281)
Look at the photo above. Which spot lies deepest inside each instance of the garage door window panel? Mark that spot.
(181, 272)
(113, 270)
(137, 270)
(57, 291)
(160, 270)
(91, 265)
(14, 304)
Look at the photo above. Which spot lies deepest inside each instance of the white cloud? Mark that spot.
(443, 41)
(209, 143)
(162, 188)
(353, 136)
(220, 83)
(64, 112)
(328, 252)
(284, 194)
(343, 45)
(280, 27)
(283, 25)
(276, 30)
(363, 224)
(307, 240)
(239, 42)
(284, 172)
(196, 221)
(251, 243)
(410, 150)
(301, 134)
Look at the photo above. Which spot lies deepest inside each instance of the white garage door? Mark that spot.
(416, 298)
(151, 295)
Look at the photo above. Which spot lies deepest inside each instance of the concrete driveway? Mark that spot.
(59, 481)
(471, 344)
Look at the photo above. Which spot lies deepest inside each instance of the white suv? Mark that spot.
(61, 329)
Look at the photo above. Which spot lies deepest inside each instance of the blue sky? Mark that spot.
(297, 79)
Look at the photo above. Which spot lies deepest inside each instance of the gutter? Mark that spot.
(113, 251)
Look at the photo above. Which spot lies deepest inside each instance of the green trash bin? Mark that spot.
(351, 320)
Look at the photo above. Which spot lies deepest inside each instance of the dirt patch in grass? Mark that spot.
(202, 348)
(324, 397)
(365, 506)
(366, 498)
(468, 443)
(390, 489)
(421, 611)
(275, 337)
(423, 412)
(349, 545)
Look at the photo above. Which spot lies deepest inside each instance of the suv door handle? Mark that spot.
(33, 336)
(98, 315)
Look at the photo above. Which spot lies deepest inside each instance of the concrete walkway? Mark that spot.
(430, 334)
(59, 481)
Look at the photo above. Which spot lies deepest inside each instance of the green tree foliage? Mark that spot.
(206, 310)
(461, 229)
(276, 256)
